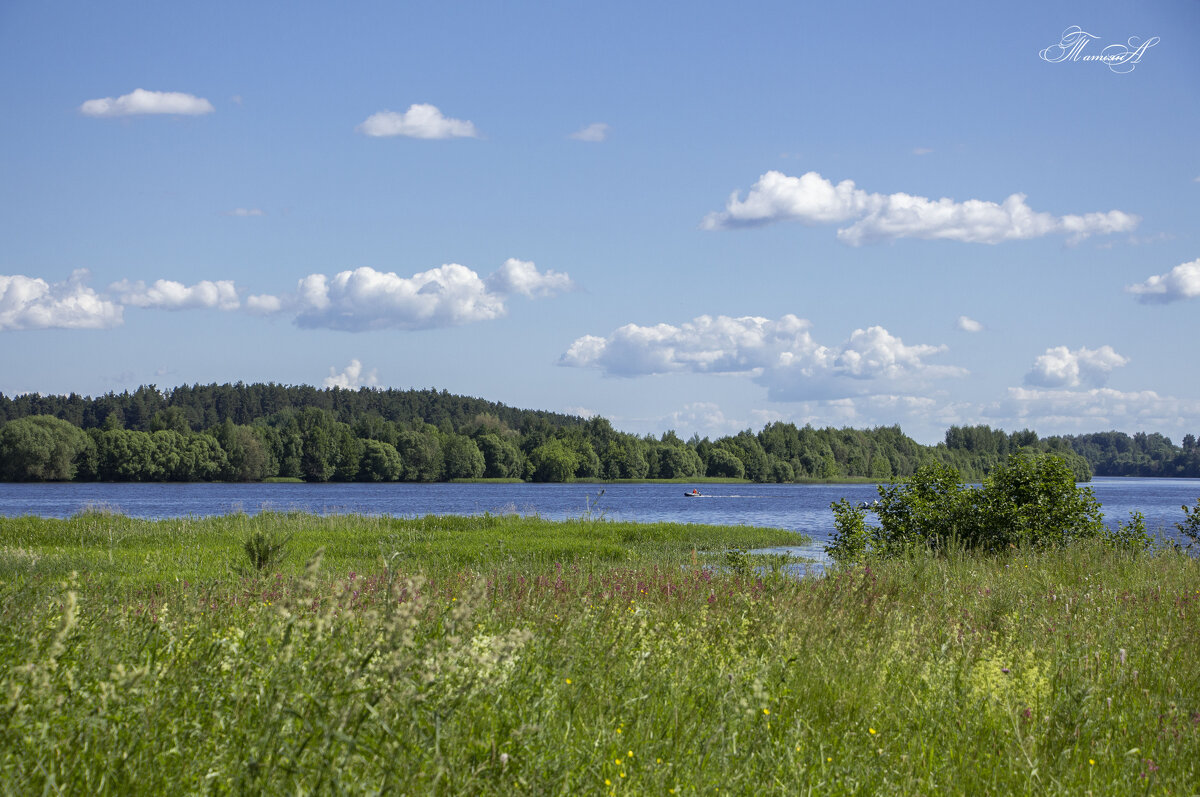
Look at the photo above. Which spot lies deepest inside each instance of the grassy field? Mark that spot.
(499, 655)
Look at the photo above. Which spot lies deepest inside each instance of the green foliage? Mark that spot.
(42, 448)
(1190, 527)
(722, 462)
(421, 454)
(380, 462)
(502, 459)
(1119, 454)
(1033, 500)
(553, 462)
(319, 435)
(266, 548)
(1029, 500)
(1131, 535)
(851, 540)
(463, 458)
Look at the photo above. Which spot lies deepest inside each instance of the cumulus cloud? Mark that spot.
(171, 295)
(140, 101)
(781, 355)
(351, 377)
(33, 303)
(1181, 282)
(449, 295)
(595, 132)
(811, 199)
(522, 276)
(263, 304)
(1063, 367)
(419, 121)
(967, 324)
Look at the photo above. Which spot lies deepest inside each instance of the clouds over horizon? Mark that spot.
(873, 218)
(364, 299)
(1063, 367)
(926, 418)
(421, 120)
(351, 377)
(1181, 282)
(141, 102)
(780, 355)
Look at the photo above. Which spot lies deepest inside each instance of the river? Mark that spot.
(799, 507)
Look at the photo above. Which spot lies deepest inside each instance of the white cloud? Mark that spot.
(701, 417)
(811, 199)
(33, 303)
(263, 304)
(596, 132)
(921, 151)
(449, 295)
(1181, 282)
(171, 295)
(1063, 367)
(781, 355)
(522, 276)
(141, 101)
(419, 121)
(245, 212)
(351, 377)
(1081, 411)
(967, 324)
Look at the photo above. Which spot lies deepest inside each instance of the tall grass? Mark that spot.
(426, 657)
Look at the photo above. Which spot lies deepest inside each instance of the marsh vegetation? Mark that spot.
(499, 655)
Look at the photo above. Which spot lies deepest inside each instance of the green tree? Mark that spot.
(42, 448)
(724, 463)
(421, 454)
(246, 456)
(678, 462)
(553, 462)
(171, 419)
(502, 459)
(380, 462)
(463, 458)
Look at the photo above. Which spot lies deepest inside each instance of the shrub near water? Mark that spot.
(1030, 500)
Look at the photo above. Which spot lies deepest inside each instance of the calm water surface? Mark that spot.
(799, 507)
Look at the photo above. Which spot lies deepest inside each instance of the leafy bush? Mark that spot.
(1190, 527)
(265, 549)
(1031, 499)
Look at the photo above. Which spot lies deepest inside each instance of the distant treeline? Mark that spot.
(252, 432)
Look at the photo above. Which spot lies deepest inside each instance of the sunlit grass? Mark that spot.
(497, 655)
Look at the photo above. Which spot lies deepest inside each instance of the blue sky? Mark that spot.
(700, 218)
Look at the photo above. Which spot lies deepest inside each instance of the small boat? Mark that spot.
(694, 494)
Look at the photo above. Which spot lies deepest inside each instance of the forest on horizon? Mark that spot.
(240, 432)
